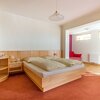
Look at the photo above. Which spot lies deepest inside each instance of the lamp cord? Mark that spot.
(56, 5)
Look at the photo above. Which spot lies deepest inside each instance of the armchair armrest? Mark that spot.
(77, 55)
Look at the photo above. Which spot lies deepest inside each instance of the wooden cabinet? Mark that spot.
(15, 67)
(3, 68)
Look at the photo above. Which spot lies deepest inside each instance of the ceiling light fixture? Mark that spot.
(56, 16)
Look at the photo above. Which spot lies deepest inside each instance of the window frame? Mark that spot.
(82, 37)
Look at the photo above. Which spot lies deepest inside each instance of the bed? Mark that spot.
(47, 80)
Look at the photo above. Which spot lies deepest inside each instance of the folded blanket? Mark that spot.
(67, 62)
(48, 65)
(51, 63)
(73, 62)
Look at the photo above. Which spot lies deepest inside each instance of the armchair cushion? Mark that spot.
(77, 55)
(73, 55)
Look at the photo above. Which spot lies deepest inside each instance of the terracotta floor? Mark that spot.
(20, 87)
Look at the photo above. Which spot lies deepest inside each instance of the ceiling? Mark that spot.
(85, 28)
(42, 9)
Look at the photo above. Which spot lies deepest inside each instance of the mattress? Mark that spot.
(44, 73)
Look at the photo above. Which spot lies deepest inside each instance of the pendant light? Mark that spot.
(56, 16)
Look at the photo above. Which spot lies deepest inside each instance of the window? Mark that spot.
(83, 37)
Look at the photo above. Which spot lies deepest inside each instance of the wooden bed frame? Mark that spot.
(52, 81)
(49, 82)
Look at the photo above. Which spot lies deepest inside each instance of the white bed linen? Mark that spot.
(44, 73)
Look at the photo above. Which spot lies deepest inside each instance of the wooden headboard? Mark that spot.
(23, 54)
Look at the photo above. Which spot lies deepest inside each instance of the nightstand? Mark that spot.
(15, 67)
(3, 68)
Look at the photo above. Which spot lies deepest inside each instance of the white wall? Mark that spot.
(91, 47)
(21, 33)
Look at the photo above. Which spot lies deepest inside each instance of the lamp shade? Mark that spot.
(56, 16)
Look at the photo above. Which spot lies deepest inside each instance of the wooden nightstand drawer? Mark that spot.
(15, 67)
(15, 64)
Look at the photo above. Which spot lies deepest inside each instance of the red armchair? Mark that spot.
(75, 56)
